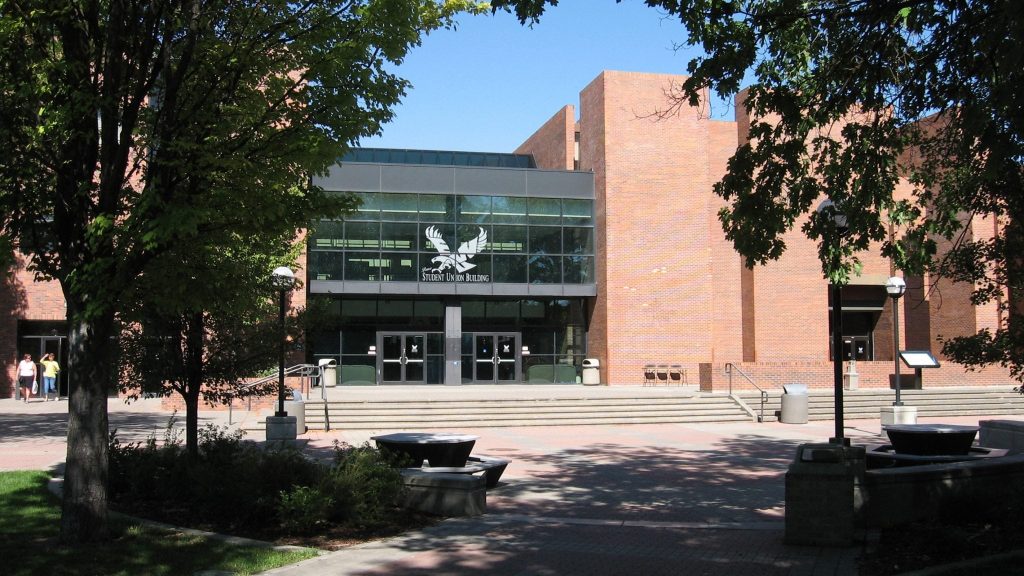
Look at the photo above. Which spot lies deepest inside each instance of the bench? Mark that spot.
(443, 494)
(492, 468)
(1006, 434)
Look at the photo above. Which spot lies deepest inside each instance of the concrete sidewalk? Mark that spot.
(641, 499)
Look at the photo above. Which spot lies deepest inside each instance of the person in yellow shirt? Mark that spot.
(50, 370)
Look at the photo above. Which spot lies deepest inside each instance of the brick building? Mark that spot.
(597, 238)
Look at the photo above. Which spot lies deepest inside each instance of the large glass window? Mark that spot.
(545, 211)
(528, 239)
(545, 240)
(474, 209)
(509, 239)
(400, 207)
(399, 236)
(510, 269)
(576, 211)
(510, 209)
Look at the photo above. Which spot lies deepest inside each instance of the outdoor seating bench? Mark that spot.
(443, 494)
(1007, 434)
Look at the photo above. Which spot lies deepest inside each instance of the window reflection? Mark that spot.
(385, 240)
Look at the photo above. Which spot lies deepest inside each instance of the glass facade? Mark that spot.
(456, 267)
(364, 334)
(396, 237)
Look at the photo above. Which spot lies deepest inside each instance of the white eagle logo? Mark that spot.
(458, 260)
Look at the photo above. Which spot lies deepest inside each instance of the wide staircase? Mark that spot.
(411, 408)
(930, 403)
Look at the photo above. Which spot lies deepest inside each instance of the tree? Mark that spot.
(134, 127)
(847, 98)
(198, 335)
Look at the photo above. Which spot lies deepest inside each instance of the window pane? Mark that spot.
(474, 209)
(447, 233)
(362, 235)
(578, 241)
(545, 270)
(508, 209)
(398, 267)
(508, 239)
(472, 311)
(502, 310)
(545, 240)
(357, 341)
(358, 311)
(509, 269)
(363, 266)
(328, 234)
(579, 269)
(399, 236)
(577, 211)
(324, 343)
(325, 265)
(369, 209)
(401, 207)
(545, 211)
(437, 208)
(395, 309)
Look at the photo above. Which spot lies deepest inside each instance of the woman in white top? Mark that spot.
(26, 375)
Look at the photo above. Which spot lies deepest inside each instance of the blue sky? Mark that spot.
(487, 85)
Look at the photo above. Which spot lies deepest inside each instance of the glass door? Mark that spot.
(496, 358)
(401, 357)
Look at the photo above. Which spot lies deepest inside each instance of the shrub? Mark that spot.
(236, 485)
(363, 483)
(303, 509)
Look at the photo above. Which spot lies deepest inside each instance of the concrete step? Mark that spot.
(867, 404)
(543, 411)
(583, 407)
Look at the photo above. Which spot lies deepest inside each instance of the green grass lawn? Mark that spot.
(30, 523)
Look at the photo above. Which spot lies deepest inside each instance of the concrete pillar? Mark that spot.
(281, 430)
(822, 487)
(453, 343)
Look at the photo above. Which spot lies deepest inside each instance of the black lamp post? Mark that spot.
(828, 209)
(895, 287)
(283, 279)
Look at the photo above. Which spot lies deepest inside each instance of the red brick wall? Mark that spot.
(771, 376)
(553, 144)
(654, 191)
(592, 157)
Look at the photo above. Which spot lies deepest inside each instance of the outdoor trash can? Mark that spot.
(591, 371)
(329, 367)
(297, 407)
(794, 404)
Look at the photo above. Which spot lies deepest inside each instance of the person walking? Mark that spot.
(26, 376)
(50, 370)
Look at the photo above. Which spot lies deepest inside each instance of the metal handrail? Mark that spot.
(310, 374)
(729, 369)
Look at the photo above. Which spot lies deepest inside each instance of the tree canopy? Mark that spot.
(847, 99)
(137, 130)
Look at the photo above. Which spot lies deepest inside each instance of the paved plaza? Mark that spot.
(693, 499)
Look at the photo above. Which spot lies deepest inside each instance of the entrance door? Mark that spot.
(401, 357)
(38, 346)
(496, 358)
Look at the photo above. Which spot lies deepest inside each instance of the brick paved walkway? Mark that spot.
(644, 499)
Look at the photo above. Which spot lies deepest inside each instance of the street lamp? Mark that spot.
(895, 287)
(283, 279)
(828, 209)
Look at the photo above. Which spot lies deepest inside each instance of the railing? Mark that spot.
(729, 369)
(309, 375)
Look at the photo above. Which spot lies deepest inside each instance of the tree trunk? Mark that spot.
(194, 340)
(90, 369)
